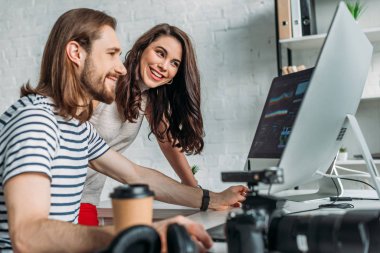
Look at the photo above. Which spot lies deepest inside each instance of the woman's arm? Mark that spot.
(176, 158)
(179, 163)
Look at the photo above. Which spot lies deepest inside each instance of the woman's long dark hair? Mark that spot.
(176, 106)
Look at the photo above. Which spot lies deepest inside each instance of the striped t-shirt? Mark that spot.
(35, 139)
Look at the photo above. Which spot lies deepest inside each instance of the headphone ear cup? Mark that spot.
(179, 241)
(136, 239)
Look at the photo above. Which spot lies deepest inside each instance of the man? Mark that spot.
(46, 145)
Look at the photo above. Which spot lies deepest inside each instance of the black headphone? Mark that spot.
(145, 239)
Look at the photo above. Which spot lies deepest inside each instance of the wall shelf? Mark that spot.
(354, 162)
(316, 41)
(371, 90)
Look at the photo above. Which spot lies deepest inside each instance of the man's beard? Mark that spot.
(95, 85)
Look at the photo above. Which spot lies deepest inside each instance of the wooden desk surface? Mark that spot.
(106, 216)
(161, 211)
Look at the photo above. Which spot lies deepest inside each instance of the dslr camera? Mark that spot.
(261, 226)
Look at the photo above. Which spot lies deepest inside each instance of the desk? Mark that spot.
(211, 219)
(161, 211)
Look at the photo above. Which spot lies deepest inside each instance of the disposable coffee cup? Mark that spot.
(132, 205)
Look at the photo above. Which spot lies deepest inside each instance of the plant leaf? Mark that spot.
(195, 169)
(356, 8)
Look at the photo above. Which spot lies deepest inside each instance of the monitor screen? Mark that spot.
(279, 113)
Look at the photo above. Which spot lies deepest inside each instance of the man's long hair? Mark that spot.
(58, 79)
(176, 106)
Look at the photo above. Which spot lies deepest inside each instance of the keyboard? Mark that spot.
(217, 233)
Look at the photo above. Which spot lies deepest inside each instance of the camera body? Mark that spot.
(245, 231)
(260, 226)
(247, 228)
(355, 231)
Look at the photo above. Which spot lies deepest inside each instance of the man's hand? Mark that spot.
(195, 230)
(231, 197)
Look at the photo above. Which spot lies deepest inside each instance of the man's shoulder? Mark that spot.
(31, 108)
(33, 102)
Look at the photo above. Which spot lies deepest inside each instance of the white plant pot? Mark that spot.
(342, 156)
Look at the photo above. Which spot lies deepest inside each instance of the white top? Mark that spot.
(118, 135)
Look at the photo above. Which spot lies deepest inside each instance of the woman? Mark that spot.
(162, 83)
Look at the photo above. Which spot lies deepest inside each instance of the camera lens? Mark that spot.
(352, 232)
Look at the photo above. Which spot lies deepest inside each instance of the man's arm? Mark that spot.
(179, 163)
(27, 198)
(166, 189)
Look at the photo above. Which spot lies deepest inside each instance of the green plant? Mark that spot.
(194, 169)
(356, 8)
(343, 150)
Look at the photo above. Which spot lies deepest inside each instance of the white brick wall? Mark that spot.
(235, 45)
(236, 56)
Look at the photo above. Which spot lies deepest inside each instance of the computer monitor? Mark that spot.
(334, 91)
(277, 119)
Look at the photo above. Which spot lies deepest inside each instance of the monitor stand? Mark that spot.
(365, 152)
(329, 187)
